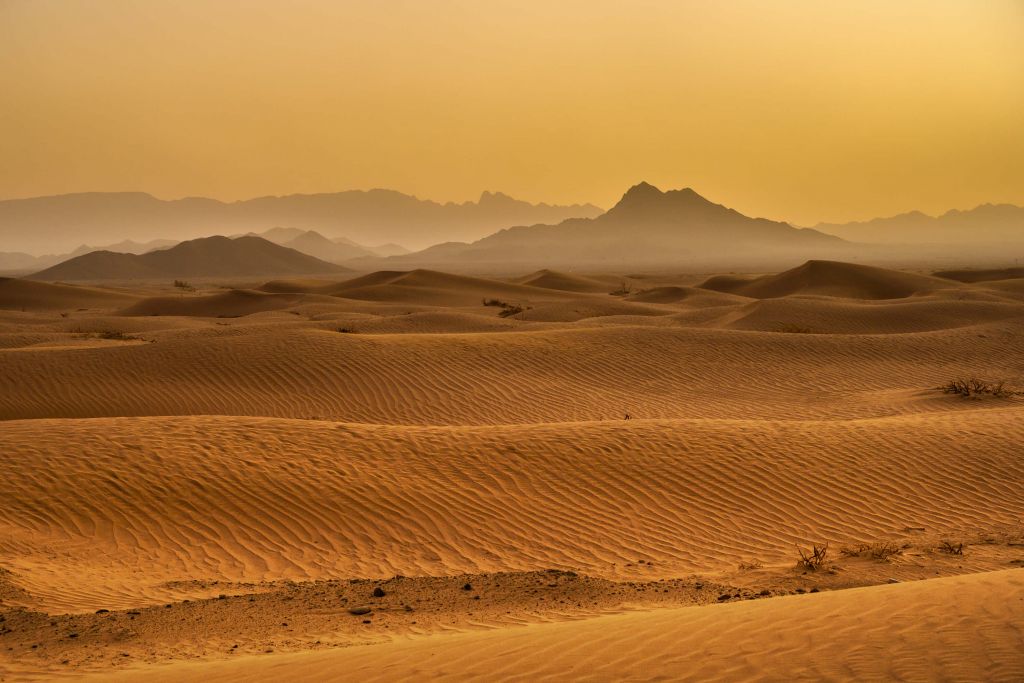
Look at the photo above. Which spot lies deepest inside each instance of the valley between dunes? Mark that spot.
(420, 475)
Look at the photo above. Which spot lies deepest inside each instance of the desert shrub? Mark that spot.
(750, 566)
(815, 558)
(974, 387)
(624, 289)
(507, 309)
(792, 328)
(115, 334)
(347, 330)
(876, 551)
(181, 284)
(951, 548)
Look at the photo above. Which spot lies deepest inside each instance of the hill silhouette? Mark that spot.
(45, 224)
(647, 226)
(988, 223)
(205, 257)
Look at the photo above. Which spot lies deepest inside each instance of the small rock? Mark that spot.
(359, 611)
(468, 587)
(367, 621)
(723, 597)
(378, 592)
(102, 611)
(893, 580)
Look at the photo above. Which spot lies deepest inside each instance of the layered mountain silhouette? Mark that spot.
(15, 261)
(988, 223)
(645, 226)
(46, 223)
(246, 256)
(337, 250)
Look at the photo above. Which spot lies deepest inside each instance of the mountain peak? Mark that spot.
(641, 190)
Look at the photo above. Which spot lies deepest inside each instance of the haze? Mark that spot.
(797, 111)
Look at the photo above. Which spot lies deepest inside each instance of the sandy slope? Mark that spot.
(962, 628)
(257, 499)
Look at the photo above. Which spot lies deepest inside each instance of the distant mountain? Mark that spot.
(246, 256)
(647, 226)
(988, 223)
(27, 262)
(48, 223)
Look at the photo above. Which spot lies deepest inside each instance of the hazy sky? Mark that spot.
(801, 110)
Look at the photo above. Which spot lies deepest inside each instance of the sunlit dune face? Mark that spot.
(801, 111)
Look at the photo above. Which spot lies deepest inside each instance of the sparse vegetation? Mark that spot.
(347, 330)
(116, 335)
(507, 309)
(876, 551)
(185, 286)
(975, 388)
(951, 548)
(750, 566)
(625, 289)
(793, 328)
(815, 558)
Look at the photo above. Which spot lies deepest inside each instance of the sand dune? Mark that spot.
(981, 275)
(831, 278)
(306, 369)
(17, 294)
(902, 632)
(129, 504)
(231, 304)
(834, 316)
(552, 279)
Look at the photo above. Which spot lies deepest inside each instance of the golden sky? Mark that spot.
(797, 110)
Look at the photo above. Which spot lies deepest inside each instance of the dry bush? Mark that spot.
(951, 548)
(507, 309)
(973, 387)
(347, 330)
(624, 289)
(793, 328)
(883, 551)
(815, 558)
(181, 284)
(876, 551)
(750, 566)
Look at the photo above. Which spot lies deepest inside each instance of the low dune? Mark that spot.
(231, 304)
(568, 282)
(19, 295)
(129, 504)
(831, 278)
(981, 275)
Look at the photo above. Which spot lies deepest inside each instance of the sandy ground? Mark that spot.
(424, 475)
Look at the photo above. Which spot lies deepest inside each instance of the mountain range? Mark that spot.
(43, 224)
(988, 223)
(647, 226)
(218, 256)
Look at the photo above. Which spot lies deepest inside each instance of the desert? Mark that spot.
(325, 479)
(511, 341)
